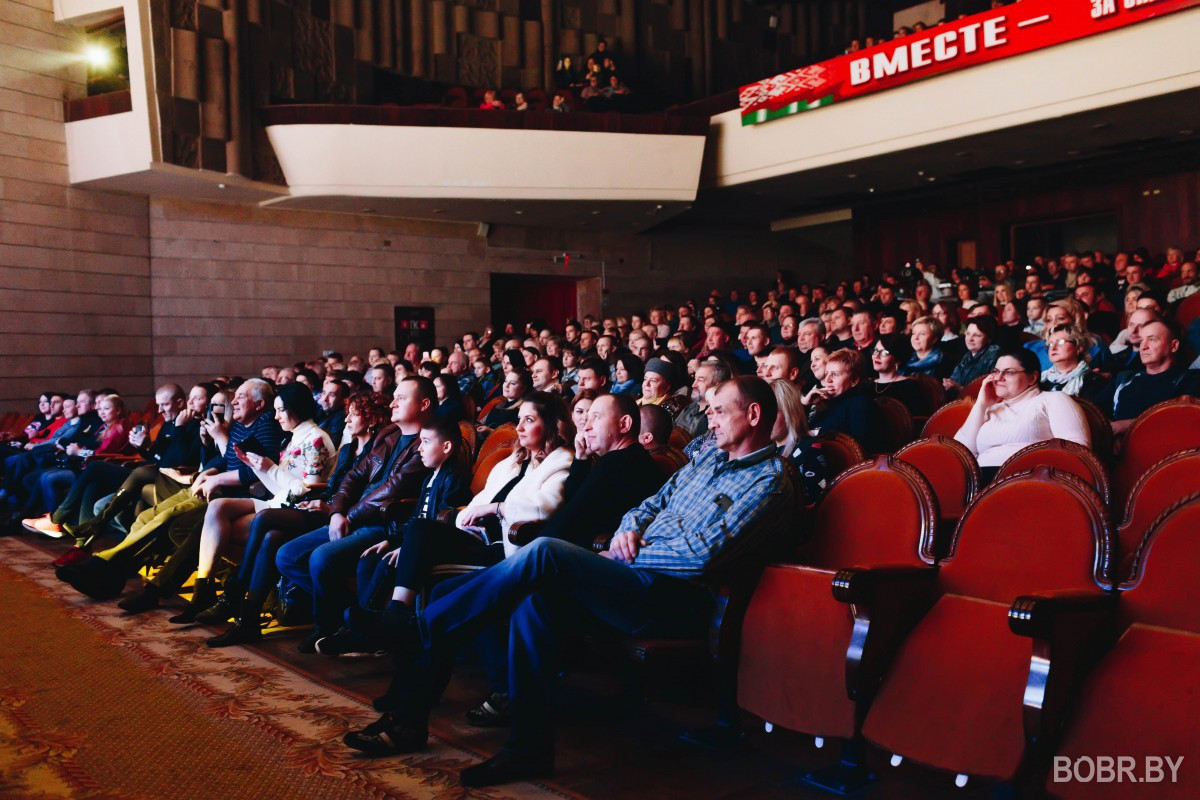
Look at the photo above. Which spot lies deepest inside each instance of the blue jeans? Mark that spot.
(324, 569)
(545, 587)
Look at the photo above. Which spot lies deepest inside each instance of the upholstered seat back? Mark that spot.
(878, 512)
(1062, 455)
(1162, 486)
(895, 424)
(949, 418)
(951, 470)
(1166, 428)
(841, 451)
(1039, 531)
(1164, 588)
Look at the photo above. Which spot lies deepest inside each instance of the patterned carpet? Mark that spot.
(94, 704)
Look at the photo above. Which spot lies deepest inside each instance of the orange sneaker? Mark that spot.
(42, 525)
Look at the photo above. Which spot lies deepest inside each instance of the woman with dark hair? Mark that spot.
(892, 350)
(305, 464)
(1011, 412)
(628, 374)
(981, 355)
(527, 486)
(247, 589)
(450, 401)
(517, 384)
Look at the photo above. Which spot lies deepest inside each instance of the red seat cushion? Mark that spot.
(953, 698)
(1142, 700)
(793, 657)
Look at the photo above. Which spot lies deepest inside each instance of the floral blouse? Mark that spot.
(307, 460)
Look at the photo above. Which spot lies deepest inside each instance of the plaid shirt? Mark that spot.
(712, 508)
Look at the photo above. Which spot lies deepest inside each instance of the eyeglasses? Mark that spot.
(1006, 373)
(1059, 342)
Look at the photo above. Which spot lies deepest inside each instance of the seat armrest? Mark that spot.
(1070, 632)
(859, 584)
(1038, 616)
(885, 603)
(522, 533)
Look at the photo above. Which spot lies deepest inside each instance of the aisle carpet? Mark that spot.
(94, 704)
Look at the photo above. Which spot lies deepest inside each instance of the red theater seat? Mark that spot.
(952, 472)
(949, 418)
(1167, 428)
(896, 424)
(1099, 429)
(1156, 491)
(1188, 311)
(1143, 699)
(800, 646)
(1060, 454)
(953, 699)
(841, 451)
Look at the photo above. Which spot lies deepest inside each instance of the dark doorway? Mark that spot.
(1057, 236)
(522, 298)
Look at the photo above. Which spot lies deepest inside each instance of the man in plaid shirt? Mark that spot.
(734, 498)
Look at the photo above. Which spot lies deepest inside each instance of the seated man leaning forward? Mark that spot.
(728, 505)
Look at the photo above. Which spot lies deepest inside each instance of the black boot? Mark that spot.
(204, 594)
(244, 631)
(95, 577)
(144, 600)
(225, 609)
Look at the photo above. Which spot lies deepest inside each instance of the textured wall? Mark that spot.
(74, 263)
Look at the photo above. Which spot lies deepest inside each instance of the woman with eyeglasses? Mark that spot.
(1070, 372)
(1011, 412)
(890, 351)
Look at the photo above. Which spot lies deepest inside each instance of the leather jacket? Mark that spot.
(402, 482)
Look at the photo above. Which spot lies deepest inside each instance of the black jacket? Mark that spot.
(615, 483)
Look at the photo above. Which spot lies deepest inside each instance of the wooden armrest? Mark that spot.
(1070, 631)
(522, 533)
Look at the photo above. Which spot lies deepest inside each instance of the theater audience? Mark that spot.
(246, 591)
(305, 463)
(516, 385)
(1011, 412)
(253, 430)
(320, 561)
(647, 582)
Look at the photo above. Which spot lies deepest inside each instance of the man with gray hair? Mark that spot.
(810, 334)
(694, 418)
(178, 519)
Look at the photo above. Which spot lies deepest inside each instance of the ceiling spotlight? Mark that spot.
(871, 190)
(921, 172)
(931, 178)
(851, 175)
(221, 186)
(595, 213)
(97, 56)
(518, 212)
